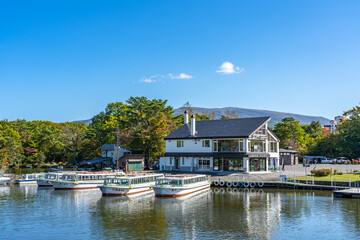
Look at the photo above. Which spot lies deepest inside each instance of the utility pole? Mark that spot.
(117, 133)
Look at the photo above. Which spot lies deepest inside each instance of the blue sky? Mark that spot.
(66, 60)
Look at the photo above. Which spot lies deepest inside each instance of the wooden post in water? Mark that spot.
(294, 179)
(349, 182)
(313, 180)
(331, 181)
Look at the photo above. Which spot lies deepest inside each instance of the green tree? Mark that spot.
(10, 145)
(73, 136)
(229, 114)
(291, 134)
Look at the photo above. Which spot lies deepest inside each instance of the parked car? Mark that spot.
(326, 161)
(342, 160)
(333, 160)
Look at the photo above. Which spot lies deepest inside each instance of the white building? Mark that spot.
(109, 150)
(334, 123)
(242, 144)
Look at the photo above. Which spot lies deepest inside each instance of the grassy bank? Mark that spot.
(337, 178)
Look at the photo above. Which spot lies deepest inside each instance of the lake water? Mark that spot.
(29, 212)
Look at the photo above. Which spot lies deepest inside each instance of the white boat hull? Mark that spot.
(44, 183)
(75, 186)
(122, 191)
(4, 180)
(178, 191)
(23, 181)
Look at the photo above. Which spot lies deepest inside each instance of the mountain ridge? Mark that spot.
(247, 112)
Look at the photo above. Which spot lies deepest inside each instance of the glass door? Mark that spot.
(177, 162)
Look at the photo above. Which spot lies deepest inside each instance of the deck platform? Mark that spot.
(348, 193)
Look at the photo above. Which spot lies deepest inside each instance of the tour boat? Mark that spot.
(127, 185)
(180, 185)
(45, 181)
(3, 179)
(83, 180)
(29, 178)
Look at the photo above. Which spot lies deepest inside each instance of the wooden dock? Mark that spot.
(347, 193)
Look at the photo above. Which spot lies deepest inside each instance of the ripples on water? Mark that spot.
(30, 212)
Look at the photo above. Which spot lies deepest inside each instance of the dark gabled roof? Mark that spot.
(224, 128)
(97, 160)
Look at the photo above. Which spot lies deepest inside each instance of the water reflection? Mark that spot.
(28, 211)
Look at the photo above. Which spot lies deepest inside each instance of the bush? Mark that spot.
(337, 172)
(320, 172)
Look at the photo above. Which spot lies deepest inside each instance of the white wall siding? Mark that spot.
(189, 146)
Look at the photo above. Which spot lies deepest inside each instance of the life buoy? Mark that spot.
(235, 190)
(252, 184)
(260, 184)
(222, 190)
(246, 190)
(252, 190)
(261, 191)
(284, 179)
(216, 190)
(222, 183)
(246, 184)
(229, 190)
(241, 184)
(216, 183)
(228, 184)
(235, 184)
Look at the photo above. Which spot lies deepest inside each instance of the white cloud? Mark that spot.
(181, 76)
(229, 68)
(152, 79)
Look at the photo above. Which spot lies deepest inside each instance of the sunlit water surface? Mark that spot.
(29, 212)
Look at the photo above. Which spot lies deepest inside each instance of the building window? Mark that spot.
(204, 164)
(206, 143)
(241, 146)
(171, 161)
(180, 143)
(215, 146)
(272, 146)
(257, 164)
(183, 161)
(228, 145)
(228, 164)
(257, 146)
(112, 153)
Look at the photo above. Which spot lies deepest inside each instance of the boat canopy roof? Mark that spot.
(91, 173)
(181, 177)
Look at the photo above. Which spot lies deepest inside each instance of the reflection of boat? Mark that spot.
(124, 199)
(28, 178)
(3, 179)
(4, 190)
(73, 181)
(45, 180)
(180, 185)
(129, 184)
